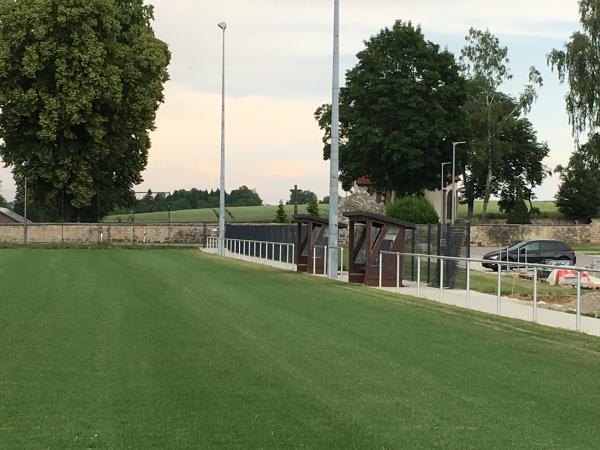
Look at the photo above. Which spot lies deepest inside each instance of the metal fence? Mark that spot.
(495, 303)
(279, 254)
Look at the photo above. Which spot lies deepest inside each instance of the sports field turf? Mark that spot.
(175, 349)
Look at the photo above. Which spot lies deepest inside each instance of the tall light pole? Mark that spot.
(222, 26)
(454, 197)
(335, 148)
(444, 203)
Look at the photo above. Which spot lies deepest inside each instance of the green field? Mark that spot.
(547, 208)
(238, 214)
(267, 213)
(175, 349)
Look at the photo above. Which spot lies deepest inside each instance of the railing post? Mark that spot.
(293, 254)
(280, 253)
(499, 290)
(380, 269)
(314, 260)
(535, 295)
(325, 255)
(579, 300)
(398, 270)
(441, 279)
(418, 276)
(341, 261)
(468, 287)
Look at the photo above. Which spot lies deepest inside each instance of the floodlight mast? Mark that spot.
(335, 146)
(222, 26)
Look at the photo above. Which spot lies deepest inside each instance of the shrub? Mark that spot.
(519, 214)
(413, 209)
(313, 206)
(281, 216)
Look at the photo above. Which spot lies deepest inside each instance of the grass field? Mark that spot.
(174, 349)
(238, 214)
(267, 213)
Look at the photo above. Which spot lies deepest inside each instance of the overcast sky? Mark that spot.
(279, 72)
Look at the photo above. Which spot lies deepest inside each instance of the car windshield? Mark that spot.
(517, 246)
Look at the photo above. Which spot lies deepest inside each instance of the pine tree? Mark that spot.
(313, 206)
(281, 216)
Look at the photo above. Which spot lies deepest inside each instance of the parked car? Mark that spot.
(536, 252)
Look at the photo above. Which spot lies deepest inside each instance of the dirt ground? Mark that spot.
(590, 302)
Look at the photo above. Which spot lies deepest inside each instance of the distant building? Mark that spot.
(10, 217)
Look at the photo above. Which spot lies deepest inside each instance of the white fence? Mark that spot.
(277, 254)
(504, 306)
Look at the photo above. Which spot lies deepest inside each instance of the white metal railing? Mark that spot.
(534, 268)
(263, 250)
(276, 252)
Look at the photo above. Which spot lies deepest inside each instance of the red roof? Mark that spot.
(364, 181)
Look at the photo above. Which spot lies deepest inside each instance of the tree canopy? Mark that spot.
(578, 64)
(302, 198)
(491, 115)
(399, 111)
(579, 194)
(80, 83)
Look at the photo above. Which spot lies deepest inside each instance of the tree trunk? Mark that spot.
(488, 190)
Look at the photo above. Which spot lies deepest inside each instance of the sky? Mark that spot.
(279, 58)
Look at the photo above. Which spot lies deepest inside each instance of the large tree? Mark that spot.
(579, 193)
(485, 64)
(399, 110)
(80, 83)
(578, 63)
(516, 158)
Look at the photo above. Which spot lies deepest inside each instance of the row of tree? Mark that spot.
(407, 100)
(195, 199)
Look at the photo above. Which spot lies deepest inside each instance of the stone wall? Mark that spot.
(159, 234)
(495, 235)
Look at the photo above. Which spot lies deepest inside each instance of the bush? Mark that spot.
(519, 214)
(413, 209)
(313, 206)
(281, 216)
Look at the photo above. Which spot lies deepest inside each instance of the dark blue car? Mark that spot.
(535, 252)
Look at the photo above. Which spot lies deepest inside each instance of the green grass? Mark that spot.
(547, 208)
(172, 349)
(586, 249)
(236, 215)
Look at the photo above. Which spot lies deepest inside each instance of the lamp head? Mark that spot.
(222, 26)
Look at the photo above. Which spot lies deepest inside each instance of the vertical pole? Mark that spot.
(429, 237)
(418, 276)
(441, 280)
(453, 183)
(468, 287)
(398, 270)
(62, 217)
(314, 260)
(280, 253)
(578, 300)
(25, 224)
(535, 295)
(223, 26)
(342, 261)
(335, 140)
(325, 266)
(293, 254)
(380, 269)
(499, 291)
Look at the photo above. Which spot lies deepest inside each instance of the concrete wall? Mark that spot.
(495, 235)
(111, 233)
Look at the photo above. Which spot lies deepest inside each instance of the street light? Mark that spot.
(335, 148)
(443, 196)
(222, 26)
(454, 197)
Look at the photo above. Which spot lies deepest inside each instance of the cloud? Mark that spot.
(271, 144)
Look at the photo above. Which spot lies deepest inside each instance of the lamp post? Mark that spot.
(443, 193)
(335, 143)
(222, 26)
(454, 197)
